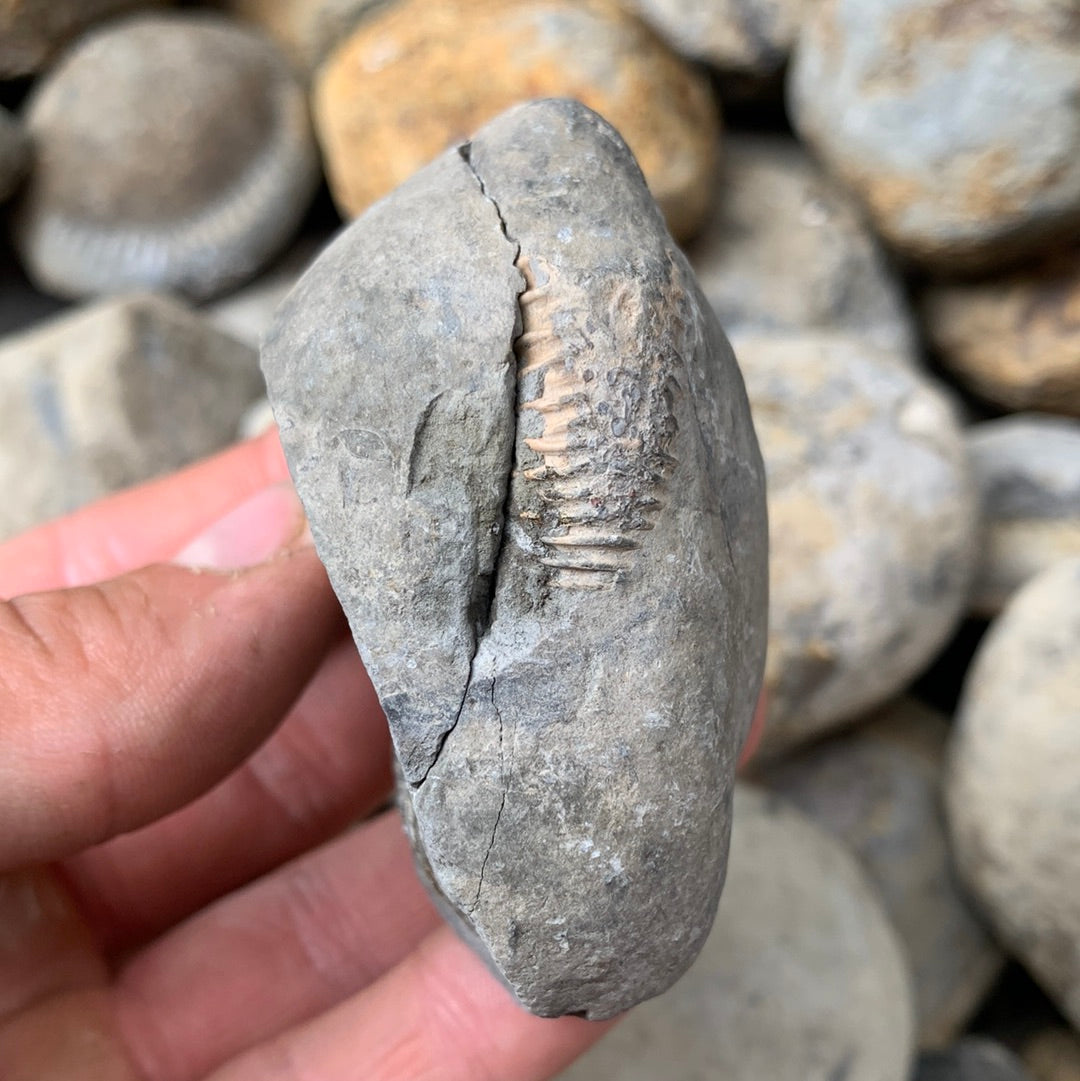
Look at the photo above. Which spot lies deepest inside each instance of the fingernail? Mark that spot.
(267, 523)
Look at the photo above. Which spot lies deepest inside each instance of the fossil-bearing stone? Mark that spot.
(172, 152)
(14, 152)
(927, 108)
(744, 37)
(802, 978)
(878, 789)
(1027, 468)
(528, 463)
(1014, 340)
(873, 520)
(1053, 1055)
(785, 248)
(415, 78)
(1013, 784)
(112, 394)
(972, 1059)
(31, 31)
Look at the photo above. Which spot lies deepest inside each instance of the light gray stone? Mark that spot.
(1014, 780)
(1027, 468)
(14, 153)
(173, 152)
(973, 1059)
(744, 37)
(878, 789)
(528, 463)
(109, 395)
(802, 978)
(787, 249)
(927, 108)
(873, 521)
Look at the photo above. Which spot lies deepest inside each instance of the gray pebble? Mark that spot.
(787, 249)
(109, 395)
(927, 110)
(972, 1059)
(872, 519)
(528, 463)
(878, 789)
(1027, 467)
(1014, 780)
(802, 978)
(173, 152)
(1053, 1054)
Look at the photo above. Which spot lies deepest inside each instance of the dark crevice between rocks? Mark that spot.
(482, 599)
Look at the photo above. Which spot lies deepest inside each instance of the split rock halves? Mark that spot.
(525, 450)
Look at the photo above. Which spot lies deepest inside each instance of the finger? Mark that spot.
(327, 765)
(121, 702)
(140, 526)
(287, 948)
(438, 1016)
(757, 729)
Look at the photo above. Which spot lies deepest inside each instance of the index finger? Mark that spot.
(142, 525)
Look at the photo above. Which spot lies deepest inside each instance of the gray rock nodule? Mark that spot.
(972, 1059)
(527, 458)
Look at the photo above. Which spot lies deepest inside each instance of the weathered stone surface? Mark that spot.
(31, 31)
(415, 77)
(878, 789)
(172, 152)
(746, 37)
(802, 978)
(786, 249)
(872, 519)
(14, 152)
(1015, 340)
(1014, 782)
(554, 567)
(112, 394)
(973, 1059)
(1053, 1055)
(1027, 468)
(925, 108)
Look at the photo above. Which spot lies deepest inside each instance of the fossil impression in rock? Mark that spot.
(526, 454)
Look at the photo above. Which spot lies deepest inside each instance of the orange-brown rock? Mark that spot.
(415, 77)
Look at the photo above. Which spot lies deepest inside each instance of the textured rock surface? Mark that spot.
(973, 1059)
(31, 31)
(872, 519)
(172, 152)
(802, 978)
(559, 601)
(785, 248)
(1027, 468)
(14, 151)
(1053, 1055)
(416, 77)
(1013, 783)
(109, 395)
(878, 789)
(925, 107)
(747, 37)
(1014, 340)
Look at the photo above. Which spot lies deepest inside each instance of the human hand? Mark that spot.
(179, 753)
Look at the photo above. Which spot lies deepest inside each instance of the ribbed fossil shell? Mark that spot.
(172, 152)
(526, 454)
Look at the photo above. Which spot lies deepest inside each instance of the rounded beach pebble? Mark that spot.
(972, 1059)
(1013, 340)
(527, 458)
(109, 395)
(927, 108)
(785, 248)
(1027, 468)
(173, 152)
(415, 78)
(872, 521)
(1053, 1055)
(1014, 782)
(878, 789)
(802, 978)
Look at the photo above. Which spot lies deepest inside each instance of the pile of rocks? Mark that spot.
(890, 236)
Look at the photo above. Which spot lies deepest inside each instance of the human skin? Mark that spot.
(180, 751)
